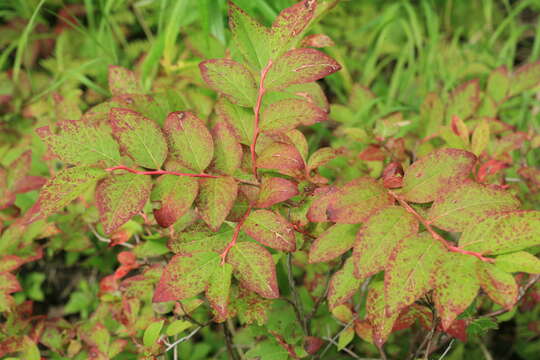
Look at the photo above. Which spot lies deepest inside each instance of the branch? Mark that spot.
(185, 338)
(228, 339)
(257, 111)
(159, 172)
(522, 291)
(433, 233)
(235, 236)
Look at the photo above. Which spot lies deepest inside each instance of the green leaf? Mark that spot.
(231, 79)
(199, 238)
(426, 178)
(123, 81)
(464, 100)
(502, 233)
(139, 137)
(357, 200)
(177, 326)
(186, 276)
(249, 37)
(287, 114)
(378, 238)
(175, 194)
(498, 84)
(343, 284)
(65, 187)
(500, 286)
(81, 143)
(480, 138)
(120, 197)
(409, 274)
(290, 25)
(189, 140)
(299, 66)
(274, 190)
(151, 334)
(456, 286)
(270, 229)
(283, 158)
(525, 78)
(255, 269)
(467, 204)
(227, 149)
(218, 290)
(376, 305)
(334, 242)
(240, 118)
(321, 157)
(520, 261)
(345, 337)
(216, 199)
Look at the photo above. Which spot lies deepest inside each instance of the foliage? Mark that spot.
(203, 200)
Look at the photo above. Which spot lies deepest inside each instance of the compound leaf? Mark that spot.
(435, 173)
(186, 276)
(254, 267)
(189, 140)
(120, 197)
(139, 137)
(270, 229)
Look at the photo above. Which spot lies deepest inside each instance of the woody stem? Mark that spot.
(257, 111)
(433, 233)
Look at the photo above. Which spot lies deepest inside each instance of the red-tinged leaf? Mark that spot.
(120, 197)
(520, 261)
(175, 195)
(480, 138)
(502, 233)
(283, 158)
(18, 169)
(199, 238)
(122, 81)
(321, 157)
(332, 243)
(435, 173)
(357, 200)
(393, 175)
(63, 188)
(189, 140)
(319, 206)
(290, 24)
(467, 204)
(409, 274)
(231, 79)
(381, 322)
(456, 286)
(459, 128)
(531, 176)
(274, 190)
(249, 37)
(411, 314)
(372, 153)
(312, 344)
(317, 41)
(270, 229)
(9, 283)
(255, 269)
(458, 329)
(240, 118)
(500, 286)
(227, 149)
(287, 114)
(525, 78)
(378, 238)
(299, 66)
(217, 291)
(80, 143)
(10, 263)
(498, 84)
(186, 276)
(139, 137)
(343, 285)
(29, 183)
(490, 167)
(464, 100)
(311, 92)
(216, 198)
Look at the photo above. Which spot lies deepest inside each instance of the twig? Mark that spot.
(348, 351)
(159, 172)
(381, 352)
(235, 236)
(348, 325)
(191, 317)
(185, 338)
(107, 240)
(522, 291)
(257, 111)
(296, 299)
(485, 351)
(447, 349)
(433, 233)
(427, 339)
(228, 339)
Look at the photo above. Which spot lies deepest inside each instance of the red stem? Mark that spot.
(159, 172)
(235, 236)
(434, 234)
(257, 110)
